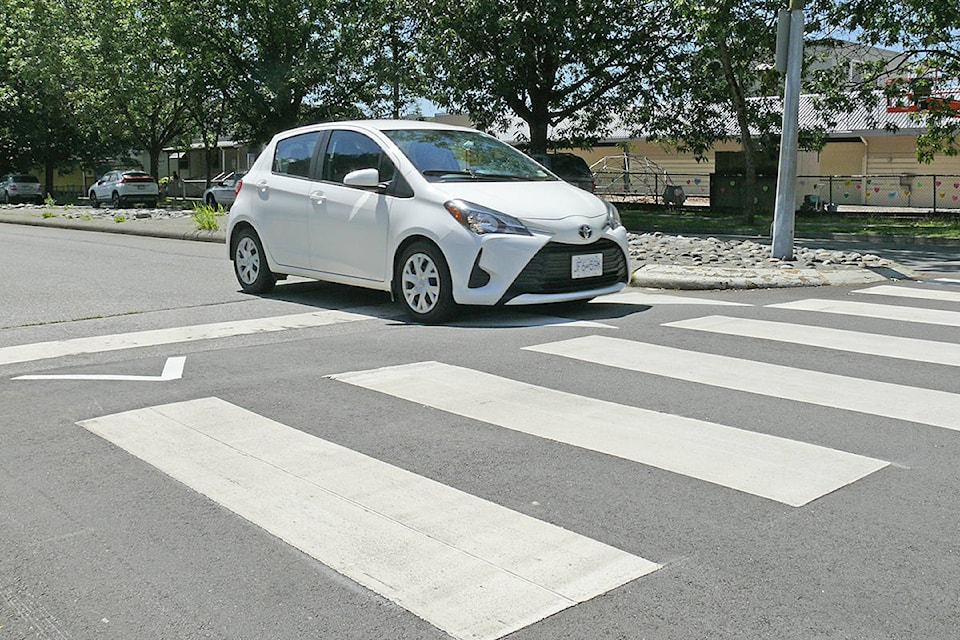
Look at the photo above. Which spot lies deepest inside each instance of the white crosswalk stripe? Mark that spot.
(872, 310)
(776, 468)
(470, 567)
(900, 291)
(824, 337)
(947, 281)
(98, 344)
(926, 406)
(653, 299)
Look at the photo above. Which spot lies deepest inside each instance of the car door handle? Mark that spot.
(318, 197)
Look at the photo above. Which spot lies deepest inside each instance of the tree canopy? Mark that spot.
(87, 81)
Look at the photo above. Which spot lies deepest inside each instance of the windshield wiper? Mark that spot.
(511, 177)
(448, 172)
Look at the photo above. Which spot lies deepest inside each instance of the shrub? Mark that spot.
(206, 216)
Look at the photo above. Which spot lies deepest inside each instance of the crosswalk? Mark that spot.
(481, 571)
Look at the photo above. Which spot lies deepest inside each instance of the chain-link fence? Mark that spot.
(936, 193)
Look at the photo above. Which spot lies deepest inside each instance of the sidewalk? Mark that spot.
(179, 225)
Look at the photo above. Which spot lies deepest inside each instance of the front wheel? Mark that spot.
(424, 283)
(93, 200)
(250, 264)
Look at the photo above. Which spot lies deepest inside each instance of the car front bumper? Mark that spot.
(522, 270)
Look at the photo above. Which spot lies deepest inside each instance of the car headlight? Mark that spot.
(482, 220)
(613, 216)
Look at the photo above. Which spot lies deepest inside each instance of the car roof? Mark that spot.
(376, 125)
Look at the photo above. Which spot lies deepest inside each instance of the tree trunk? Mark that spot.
(538, 136)
(48, 168)
(739, 102)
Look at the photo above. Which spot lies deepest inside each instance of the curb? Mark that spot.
(659, 276)
(173, 230)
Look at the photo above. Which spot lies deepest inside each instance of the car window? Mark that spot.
(450, 155)
(349, 151)
(293, 155)
(24, 178)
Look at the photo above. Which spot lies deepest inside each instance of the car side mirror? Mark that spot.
(363, 178)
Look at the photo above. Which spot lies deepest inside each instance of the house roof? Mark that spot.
(861, 121)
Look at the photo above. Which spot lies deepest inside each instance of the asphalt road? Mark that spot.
(133, 527)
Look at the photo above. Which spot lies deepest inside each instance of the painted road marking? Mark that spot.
(776, 468)
(874, 344)
(172, 370)
(871, 310)
(910, 292)
(926, 406)
(116, 342)
(656, 299)
(470, 567)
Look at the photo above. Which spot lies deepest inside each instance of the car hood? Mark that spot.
(539, 203)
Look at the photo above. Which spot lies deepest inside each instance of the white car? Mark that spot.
(18, 187)
(440, 216)
(121, 188)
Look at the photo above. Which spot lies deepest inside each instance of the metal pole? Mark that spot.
(784, 214)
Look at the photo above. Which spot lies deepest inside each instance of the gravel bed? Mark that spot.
(659, 248)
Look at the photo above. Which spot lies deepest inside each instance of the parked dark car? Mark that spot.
(18, 187)
(569, 167)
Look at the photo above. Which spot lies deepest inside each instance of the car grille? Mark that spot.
(549, 270)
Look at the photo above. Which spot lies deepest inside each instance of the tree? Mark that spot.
(926, 35)
(570, 65)
(140, 75)
(722, 86)
(43, 110)
(294, 62)
(394, 62)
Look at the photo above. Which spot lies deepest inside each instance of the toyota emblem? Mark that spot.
(585, 231)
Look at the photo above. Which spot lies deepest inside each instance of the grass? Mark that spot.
(708, 222)
(206, 217)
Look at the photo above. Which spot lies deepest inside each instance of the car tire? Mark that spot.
(6, 197)
(250, 263)
(116, 201)
(211, 201)
(423, 282)
(93, 200)
(152, 204)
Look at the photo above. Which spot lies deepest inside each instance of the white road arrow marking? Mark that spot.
(172, 370)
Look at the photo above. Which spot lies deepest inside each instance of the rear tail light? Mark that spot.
(236, 189)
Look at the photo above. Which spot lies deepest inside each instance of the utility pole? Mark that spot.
(790, 62)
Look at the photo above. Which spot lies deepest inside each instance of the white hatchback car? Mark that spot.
(439, 216)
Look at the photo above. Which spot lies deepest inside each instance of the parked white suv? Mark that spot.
(18, 187)
(124, 187)
(438, 215)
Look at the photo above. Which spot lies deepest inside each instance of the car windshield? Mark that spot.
(23, 178)
(453, 155)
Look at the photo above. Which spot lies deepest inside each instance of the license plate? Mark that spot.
(141, 187)
(587, 266)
